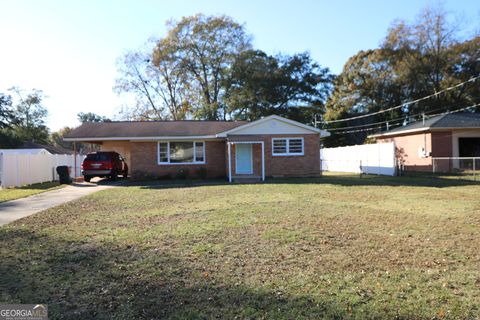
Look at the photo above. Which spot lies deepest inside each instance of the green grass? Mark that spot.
(337, 247)
(22, 192)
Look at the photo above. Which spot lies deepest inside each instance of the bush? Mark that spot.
(182, 173)
(143, 176)
(202, 173)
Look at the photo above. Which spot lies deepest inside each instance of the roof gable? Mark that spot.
(51, 149)
(273, 125)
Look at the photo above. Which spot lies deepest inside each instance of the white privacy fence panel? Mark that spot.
(18, 169)
(67, 160)
(378, 158)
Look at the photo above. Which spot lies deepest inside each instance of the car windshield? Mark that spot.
(98, 157)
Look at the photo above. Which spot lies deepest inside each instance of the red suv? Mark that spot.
(104, 164)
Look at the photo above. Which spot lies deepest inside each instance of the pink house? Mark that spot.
(446, 135)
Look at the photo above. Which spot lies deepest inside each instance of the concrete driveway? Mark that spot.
(17, 209)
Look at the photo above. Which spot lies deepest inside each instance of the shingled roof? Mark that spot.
(150, 129)
(49, 148)
(458, 120)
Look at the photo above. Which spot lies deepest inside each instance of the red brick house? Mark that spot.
(269, 147)
(446, 135)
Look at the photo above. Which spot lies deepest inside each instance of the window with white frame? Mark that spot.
(184, 152)
(287, 146)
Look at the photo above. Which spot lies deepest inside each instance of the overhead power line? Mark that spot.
(406, 103)
(387, 121)
(430, 116)
(364, 130)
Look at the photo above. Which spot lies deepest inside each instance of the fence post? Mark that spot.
(29, 161)
(379, 160)
(2, 170)
(433, 165)
(17, 171)
(474, 160)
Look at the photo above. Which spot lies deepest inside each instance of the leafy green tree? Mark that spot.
(423, 58)
(183, 76)
(158, 91)
(465, 65)
(203, 48)
(205, 68)
(57, 138)
(91, 117)
(8, 139)
(291, 86)
(7, 113)
(415, 60)
(30, 114)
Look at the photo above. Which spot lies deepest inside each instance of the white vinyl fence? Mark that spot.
(18, 169)
(378, 158)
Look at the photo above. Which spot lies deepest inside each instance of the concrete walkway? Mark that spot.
(16, 209)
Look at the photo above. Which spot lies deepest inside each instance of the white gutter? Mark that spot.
(386, 134)
(325, 134)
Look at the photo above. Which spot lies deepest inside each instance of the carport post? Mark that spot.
(229, 162)
(263, 161)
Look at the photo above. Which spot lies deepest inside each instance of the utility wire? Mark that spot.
(430, 116)
(387, 121)
(406, 103)
(364, 130)
(366, 125)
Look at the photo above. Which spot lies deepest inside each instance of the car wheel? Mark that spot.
(125, 175)
(87, 178)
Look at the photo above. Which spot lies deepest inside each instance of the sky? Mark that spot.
(69, 49)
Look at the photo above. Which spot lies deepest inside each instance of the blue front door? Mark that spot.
(243, 159)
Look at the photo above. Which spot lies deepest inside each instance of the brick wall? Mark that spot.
(439, 144)
(407, 149)
(256, 159)
(144, 162)
(442, 144)
(307, 165)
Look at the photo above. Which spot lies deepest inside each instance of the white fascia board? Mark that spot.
(396, 133)
(159, 138)
(288, 121)
(387, 134)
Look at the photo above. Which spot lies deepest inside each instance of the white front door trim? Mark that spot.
(229, 151)
(243, 159)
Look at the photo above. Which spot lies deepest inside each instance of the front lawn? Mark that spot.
(333, 247)
(22, 192)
